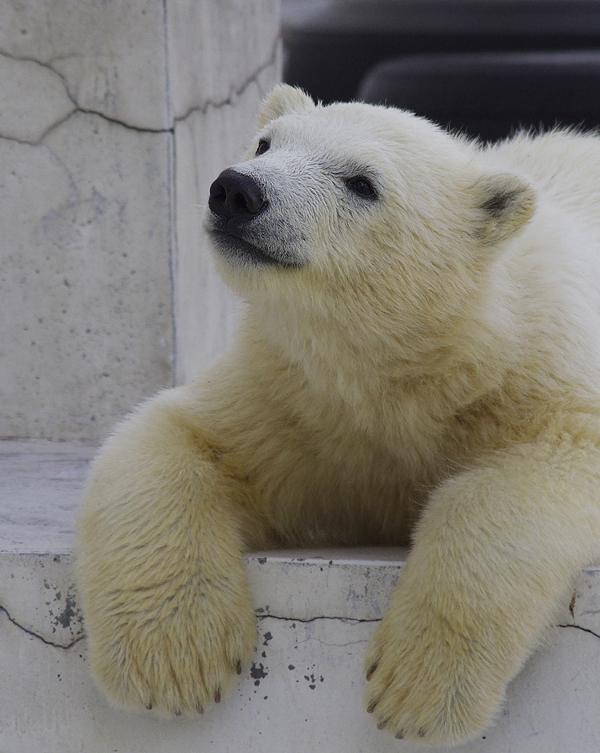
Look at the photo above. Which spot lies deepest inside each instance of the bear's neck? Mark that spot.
(381, 376)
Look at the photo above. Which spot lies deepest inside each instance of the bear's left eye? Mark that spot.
(362, 186)
(263, 146)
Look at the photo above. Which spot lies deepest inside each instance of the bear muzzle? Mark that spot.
(235, 200)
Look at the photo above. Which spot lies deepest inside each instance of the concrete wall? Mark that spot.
(114, 119)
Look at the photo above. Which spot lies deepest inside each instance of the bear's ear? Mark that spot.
(283, 100)
(504, 204)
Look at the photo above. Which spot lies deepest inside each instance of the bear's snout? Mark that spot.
(236, 196)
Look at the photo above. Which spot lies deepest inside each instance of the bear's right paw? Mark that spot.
(175, 662)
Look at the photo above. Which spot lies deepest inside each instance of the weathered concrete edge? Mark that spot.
(38, 592)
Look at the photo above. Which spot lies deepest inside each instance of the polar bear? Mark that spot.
(419, 361)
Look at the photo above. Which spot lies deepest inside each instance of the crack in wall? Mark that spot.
(37, 635)
(76, 106)
(361, 642)
(354, 620)
(578, 627)
(304, 621)
(260, 617)
(233, 94)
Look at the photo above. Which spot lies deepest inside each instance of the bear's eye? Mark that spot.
(362, 187)
(263, 146)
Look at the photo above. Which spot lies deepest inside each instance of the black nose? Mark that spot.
(235, 195)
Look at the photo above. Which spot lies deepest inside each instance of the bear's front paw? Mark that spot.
(176, 656)
(432, 682)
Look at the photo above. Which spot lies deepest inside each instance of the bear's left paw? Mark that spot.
(431, 684)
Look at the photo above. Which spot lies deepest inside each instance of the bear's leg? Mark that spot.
(160, 534)
(494, 556)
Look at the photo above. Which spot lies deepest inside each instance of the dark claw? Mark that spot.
(371, 671)
(218, 696)
(371, 707)
(199, 709)
(421, 733)
(238, 668)
(149, 707)
(399, 735)
(382, 723)
(178, 713)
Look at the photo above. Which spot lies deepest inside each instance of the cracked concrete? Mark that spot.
(114, 121)
(39, 637)
(584, 609)
(578, 627)
(350, 620)
(43, 102)
(91, 47)
(22, 128)
(235, 92)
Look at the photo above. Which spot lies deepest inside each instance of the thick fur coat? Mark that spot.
(419, 361)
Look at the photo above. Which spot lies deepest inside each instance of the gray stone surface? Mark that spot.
(110, 56)
(43, 101)
(85, 277)
(114, 119)
(41, 485)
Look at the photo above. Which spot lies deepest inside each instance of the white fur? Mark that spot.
(423, 364)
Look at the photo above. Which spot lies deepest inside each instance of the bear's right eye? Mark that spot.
(362, 186)
(263, 146)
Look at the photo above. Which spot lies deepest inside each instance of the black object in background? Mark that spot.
(330, 46)
(490, 95)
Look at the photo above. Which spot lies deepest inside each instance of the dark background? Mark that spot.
(486, 67)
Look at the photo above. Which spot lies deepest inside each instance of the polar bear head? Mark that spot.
(361, 206)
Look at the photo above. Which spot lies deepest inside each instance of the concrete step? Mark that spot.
(303, 689)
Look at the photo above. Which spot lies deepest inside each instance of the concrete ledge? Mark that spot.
(303, 691)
